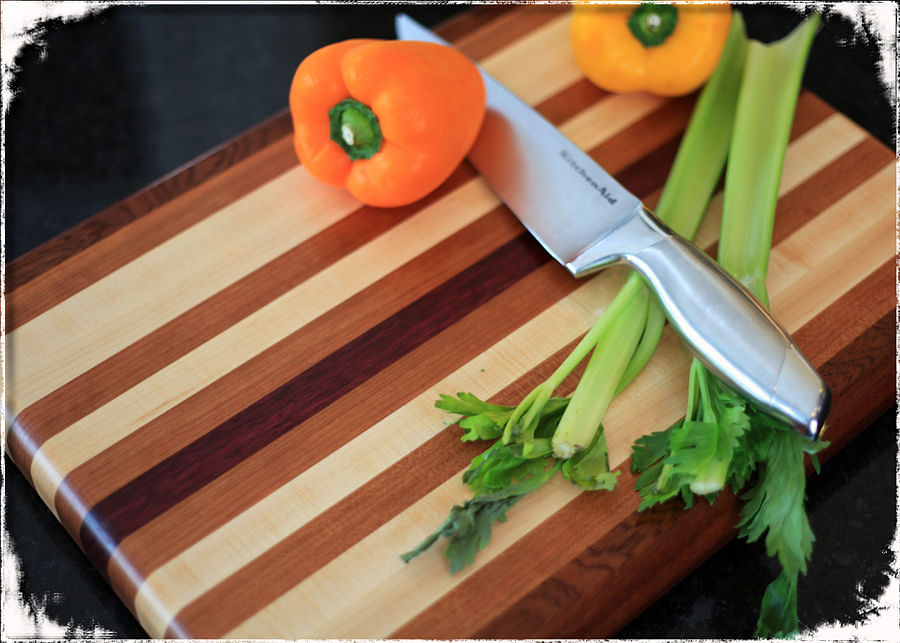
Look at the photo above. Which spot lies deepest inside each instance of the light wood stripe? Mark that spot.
(321, 604)
(847, 226)
(795, 174)
(605, 118)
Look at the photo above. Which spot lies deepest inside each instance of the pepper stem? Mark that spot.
(652, 23)
(355, 128)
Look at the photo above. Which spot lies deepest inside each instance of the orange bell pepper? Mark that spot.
(665, 49)
(388, 120)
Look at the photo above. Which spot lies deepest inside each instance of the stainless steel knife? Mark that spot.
(586, 220)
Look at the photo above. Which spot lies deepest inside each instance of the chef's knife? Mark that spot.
(586, 220)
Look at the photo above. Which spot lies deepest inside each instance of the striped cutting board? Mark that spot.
(223, 387)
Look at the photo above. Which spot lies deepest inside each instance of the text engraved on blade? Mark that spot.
(601, 189)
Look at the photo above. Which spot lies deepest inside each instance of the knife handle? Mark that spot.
(721, 322)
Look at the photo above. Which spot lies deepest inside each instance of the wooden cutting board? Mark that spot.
(223, 387)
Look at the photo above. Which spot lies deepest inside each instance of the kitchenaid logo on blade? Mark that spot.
(604, 192)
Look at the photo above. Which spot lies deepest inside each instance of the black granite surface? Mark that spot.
(109, 103)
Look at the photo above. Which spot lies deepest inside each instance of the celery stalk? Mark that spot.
(525, 418)
(595, 391)
(704, 146)
(765, 111)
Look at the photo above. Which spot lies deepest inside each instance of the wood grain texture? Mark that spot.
(232, 412)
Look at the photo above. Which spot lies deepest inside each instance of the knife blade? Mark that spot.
(586, 220)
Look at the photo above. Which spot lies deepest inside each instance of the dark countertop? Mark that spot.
(109, 103)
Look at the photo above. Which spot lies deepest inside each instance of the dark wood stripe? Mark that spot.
(811, 110)
(135, 363)
(558, 108)
(52, 253)
(169, 482)
(864, 365)
(215, 613)
(458, 28)
(595, 592)
(873, 295)
(625, 154)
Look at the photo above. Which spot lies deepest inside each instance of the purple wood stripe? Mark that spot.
(167, 483)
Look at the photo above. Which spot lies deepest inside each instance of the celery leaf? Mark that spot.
(500, 478)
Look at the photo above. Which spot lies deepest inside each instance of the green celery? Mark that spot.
(762, 129)
(704, 147)
(611, 355)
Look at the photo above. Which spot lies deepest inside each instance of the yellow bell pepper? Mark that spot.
(664, 49)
